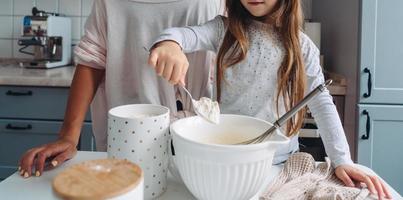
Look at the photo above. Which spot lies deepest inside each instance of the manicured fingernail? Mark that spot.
(19, 168)
(37, 173)
(26, 175)
(54, 163)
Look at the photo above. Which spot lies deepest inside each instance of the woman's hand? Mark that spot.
(351, 175)
(169, 62)
(34, 159)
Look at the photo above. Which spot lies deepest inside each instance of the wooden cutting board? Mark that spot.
(97, 179)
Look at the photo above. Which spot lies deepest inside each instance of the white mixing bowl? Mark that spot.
(217, 171)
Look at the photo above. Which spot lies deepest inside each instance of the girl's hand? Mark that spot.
(169, 61)
(350, 175)
(58, 151)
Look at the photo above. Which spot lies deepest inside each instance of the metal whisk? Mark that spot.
(277, 124)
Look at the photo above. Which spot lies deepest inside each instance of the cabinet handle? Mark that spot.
(11, 127)
(11, 93)
(368, 125)
(368, 94)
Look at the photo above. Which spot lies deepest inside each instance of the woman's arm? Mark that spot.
(82, 91)
(90, 53)
(167, 53)
(83, 88)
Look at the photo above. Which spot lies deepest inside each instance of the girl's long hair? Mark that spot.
(287, 20)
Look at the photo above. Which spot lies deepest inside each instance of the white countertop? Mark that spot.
(12, 74)
(15, 187)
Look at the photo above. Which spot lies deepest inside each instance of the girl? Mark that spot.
(112, 69)
(265, 65)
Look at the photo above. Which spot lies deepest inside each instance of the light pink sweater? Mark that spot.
(115, 34)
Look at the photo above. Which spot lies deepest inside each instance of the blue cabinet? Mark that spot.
(32, 116)
(365, 45)
(380, 121)
(380, 138)
(34, 103)
(381, 52)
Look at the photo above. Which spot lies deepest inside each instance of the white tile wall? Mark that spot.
(48, 5)
(76, 28)
(87, 5)
(70, 7)
(17, 26)
(23, 7)
(6, 48)
(6, 30)
(6, 7)
(13, 11)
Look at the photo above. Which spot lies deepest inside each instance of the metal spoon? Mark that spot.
(191, 97)
(201, 114)
(277, 124)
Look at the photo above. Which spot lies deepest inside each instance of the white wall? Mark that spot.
(12, 12)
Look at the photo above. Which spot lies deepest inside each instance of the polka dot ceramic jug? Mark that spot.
(139, 133)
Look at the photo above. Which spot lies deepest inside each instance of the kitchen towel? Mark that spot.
(301, 179)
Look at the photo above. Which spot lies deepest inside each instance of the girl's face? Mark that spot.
(259, 8)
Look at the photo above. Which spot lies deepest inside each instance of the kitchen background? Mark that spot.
(354, 35)
(13, 11)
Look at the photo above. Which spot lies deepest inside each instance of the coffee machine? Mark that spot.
(50, 36)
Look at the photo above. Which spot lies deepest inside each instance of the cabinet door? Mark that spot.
(381, 52)
(17, 136)
(380, 141)
(34, 103)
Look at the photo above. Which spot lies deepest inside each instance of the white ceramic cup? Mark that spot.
(140, 133)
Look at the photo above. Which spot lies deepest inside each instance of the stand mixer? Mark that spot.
(50, 36)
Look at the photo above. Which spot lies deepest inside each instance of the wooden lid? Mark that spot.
(97, 179)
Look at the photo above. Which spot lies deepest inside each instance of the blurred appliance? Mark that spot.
(50, 36)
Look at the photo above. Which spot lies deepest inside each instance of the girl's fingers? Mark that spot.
(182, 81)
(160, 67)
(368, 182)
(176, 74)
(183, 75)
(168, 70)
(152, 59)
(343, 176)
(378, 187)
(358, 175)
(385, 190)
